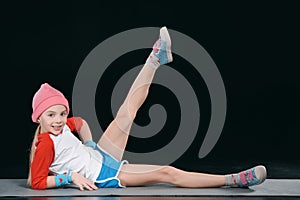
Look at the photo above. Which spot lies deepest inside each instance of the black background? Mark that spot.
(255, 46)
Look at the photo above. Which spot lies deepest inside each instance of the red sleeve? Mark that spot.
(74, 123)
(43, 157)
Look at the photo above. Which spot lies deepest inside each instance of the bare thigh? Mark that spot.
(139, 175)
(114, 140)
(115, 137)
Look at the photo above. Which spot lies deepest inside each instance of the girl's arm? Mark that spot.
(51, 182)
(80, 126)
(77, 179)
(43, 157)
(85, 132)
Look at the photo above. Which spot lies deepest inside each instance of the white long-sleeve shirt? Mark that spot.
(60, 153)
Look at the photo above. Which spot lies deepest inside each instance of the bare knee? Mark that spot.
(170, 174)
(127, 111)
(124, 118)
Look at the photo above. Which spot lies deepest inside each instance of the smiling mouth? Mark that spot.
(57, 128)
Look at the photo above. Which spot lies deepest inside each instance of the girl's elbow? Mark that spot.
(38, 185)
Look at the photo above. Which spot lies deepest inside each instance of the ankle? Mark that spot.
(153, 61)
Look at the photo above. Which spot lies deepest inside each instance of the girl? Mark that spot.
(58, 158)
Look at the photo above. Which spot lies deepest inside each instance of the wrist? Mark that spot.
(69, 176)
(61, 179)
(89, 143)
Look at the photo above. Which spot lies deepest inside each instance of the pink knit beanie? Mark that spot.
(46, 97)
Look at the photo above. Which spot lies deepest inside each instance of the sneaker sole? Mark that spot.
(164, 34)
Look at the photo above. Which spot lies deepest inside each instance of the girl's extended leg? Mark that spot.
(139, 175)
(115, 137)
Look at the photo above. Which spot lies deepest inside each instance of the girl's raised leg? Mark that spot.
(115, 137)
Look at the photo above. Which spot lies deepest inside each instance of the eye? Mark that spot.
(51, 115)
(63, 114)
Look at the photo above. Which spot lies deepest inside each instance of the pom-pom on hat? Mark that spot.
(46, 97)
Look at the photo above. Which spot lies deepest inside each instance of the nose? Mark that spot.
(58, 119)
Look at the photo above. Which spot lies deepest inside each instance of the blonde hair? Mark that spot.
(32, 151)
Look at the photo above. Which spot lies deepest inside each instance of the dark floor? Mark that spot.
(156, 198)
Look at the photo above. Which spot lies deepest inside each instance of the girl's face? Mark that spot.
(53, 119)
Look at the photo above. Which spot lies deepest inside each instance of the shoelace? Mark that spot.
(156, 46)
(248, 177)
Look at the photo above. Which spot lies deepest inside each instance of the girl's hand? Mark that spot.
(83, 182)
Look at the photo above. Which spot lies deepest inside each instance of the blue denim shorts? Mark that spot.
(108, 176)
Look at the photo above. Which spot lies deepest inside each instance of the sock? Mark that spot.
(153, 61)
(231, 179)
